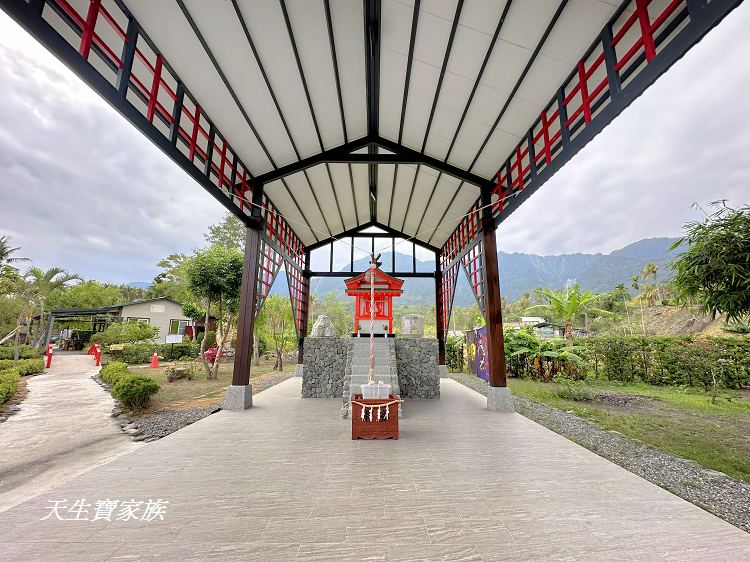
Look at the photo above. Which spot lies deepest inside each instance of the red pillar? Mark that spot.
(493, 308)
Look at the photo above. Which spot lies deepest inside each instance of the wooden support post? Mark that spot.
(305, 316)
(439, 310)
(493, 305)
(248, 299)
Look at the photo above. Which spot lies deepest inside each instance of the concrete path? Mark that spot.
(64, 428)
(284, 481)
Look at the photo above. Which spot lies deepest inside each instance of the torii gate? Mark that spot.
(312, 121)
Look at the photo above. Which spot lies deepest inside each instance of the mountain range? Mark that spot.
(520, 273)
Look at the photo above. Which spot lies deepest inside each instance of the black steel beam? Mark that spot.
(30, 19)
(521, 78)
(372, 79)
(347, 274)
(410, 155)
(703, 18)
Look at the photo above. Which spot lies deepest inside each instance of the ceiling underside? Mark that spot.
(287, 79)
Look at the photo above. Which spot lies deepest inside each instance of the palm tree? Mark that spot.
(6, 253)
(39, 284)
(649, 272)
(568, 304)
(634, 283)
(621, 289)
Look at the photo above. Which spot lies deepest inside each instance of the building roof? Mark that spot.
(349, 113)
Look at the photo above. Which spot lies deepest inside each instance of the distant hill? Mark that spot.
(139, 284)
(522, 272)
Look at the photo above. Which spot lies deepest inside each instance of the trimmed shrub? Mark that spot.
(138, 353)
(134, 391)
(666, 360)
(25, 366)
(8, 384)
(24, 352)
(113, 372)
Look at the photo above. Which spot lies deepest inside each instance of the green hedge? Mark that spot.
(25, 366)
(113, 372)
(24, 352)
(8, 383)
(662, 360)
(134, 391)
(137, 353)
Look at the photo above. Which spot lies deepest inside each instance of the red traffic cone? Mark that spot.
(154, 361)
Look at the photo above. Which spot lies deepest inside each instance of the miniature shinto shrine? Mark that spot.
(386, 288)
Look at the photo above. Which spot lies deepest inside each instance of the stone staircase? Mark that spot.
(358, 366)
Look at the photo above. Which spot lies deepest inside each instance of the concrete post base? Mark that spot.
(500, 399)
(239, 397)
(443, 369)
(299, 369)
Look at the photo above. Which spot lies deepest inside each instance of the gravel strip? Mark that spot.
(160, 424)
(713, 491)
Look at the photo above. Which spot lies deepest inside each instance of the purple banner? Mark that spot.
(482, 357)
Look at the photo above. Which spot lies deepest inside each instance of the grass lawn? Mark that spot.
(683, 422)
(201, 392)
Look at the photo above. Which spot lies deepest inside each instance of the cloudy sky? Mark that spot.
(81, 188)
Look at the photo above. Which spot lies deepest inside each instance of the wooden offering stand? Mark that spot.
(380, 420)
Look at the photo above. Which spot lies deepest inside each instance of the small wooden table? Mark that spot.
(374, 425)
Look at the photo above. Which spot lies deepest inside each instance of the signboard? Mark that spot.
(174, 338)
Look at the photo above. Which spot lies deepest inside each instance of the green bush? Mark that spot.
(113, 372)
(139, 353)
(454, 353)
(667, 360)
(134, 391)
(8, 384)
(25, 366)
(211, 341)
(127, 332)
(24, 352)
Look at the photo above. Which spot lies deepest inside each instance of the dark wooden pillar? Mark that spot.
(305, 312)
(439, 310)
(493, 307)
(248, 300)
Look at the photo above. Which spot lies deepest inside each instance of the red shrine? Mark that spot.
(386, 287)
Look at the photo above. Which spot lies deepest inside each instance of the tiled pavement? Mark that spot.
(284, 481)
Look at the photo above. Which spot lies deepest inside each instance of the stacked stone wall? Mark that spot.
(325, 361)
(417, 362)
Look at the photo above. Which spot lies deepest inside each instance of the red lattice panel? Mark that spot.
(473, 263)
(299, 291)
(466, 231)
(269, 264)
(448, 281)
(637, 34)
(99, 28)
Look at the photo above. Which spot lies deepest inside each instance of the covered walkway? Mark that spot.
(284, 481)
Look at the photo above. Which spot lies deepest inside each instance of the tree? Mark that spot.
(230, 233)
(128, 332)
(277, 322)
(215, 275)
(6, 254)
(634, 280)
(715, 269)
(40, 284)
(195, 312)
(649, 272)
(171, 282)
(567, 305)
(88, 294)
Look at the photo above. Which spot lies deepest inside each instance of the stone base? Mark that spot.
(239, 397)
(298, 370)
(443, 369)
(500, 399)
